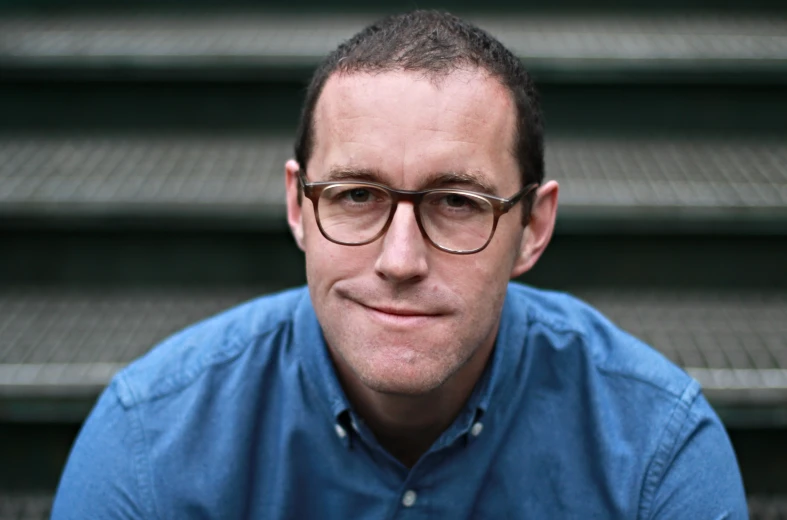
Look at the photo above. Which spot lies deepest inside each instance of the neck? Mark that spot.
(407, 425)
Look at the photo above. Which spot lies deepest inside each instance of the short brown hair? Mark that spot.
(437, 44)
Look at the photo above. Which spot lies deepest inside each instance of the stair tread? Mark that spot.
(67, 333)
(236, 174)
(258, 38)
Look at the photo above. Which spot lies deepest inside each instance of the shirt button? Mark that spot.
(340, 431)
(475, 431)
(408, 499)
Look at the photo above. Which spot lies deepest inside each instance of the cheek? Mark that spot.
(477, 280)
(327, 263)
(482, 280)
(493, 265)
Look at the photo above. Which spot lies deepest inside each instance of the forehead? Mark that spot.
(407, 126)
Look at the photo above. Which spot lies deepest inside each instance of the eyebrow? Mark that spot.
(475, 181)
(353, 174)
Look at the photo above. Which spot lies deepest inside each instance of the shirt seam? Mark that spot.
(339, 401)
(634, 377)
(144, 468)
(554, 324)
(141, 462)
(561, 327)
(324, 404)
(228, 354)
(668, 443)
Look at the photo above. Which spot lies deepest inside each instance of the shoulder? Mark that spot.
(650, 417)
(177, 362)
(569, 323)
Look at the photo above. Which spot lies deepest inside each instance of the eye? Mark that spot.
(456, 204)
(454, 200)
(354, 195)
(457, 201)
(358, 195)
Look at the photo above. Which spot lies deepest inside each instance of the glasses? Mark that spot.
(455, 221)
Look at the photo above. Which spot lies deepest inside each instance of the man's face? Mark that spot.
(399, 314)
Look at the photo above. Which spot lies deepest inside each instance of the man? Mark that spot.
(410, 380)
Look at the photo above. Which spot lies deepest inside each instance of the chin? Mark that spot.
(405, 381)
(401, 388)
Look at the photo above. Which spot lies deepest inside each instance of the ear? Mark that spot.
(538, 232)
(294, 206)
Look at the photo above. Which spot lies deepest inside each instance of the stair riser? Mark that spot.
(220, 257)
(571, 108)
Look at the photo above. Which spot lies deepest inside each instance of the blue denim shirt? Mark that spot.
(242, 416)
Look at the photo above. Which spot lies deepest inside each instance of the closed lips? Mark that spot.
(400, 312)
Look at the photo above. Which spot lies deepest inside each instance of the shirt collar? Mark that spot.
(508, 367)
(318, 366)
(501, 369)
(491, 388)
(489, 398)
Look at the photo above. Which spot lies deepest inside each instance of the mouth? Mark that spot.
(399, 315)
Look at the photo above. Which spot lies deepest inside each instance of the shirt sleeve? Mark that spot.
(698, 475)
(102, 478)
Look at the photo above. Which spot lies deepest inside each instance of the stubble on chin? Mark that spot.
(410, 367)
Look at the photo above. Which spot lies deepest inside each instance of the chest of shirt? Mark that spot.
(543, 463)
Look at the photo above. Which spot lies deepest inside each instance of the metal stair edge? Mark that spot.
(734, 184)
(260, 46)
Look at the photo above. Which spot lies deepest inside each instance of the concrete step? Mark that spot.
(617, 48)
(733, 343)
(634, 184)
(25, 506)
(58, 344)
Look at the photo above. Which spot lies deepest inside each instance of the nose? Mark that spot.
(403, 251)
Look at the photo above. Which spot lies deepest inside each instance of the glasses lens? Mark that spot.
(456, 220)
(353, 213)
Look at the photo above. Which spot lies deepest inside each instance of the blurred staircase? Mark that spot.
(141, 189)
